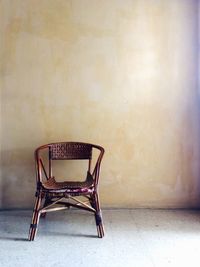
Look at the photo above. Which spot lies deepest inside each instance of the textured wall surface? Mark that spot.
(122, 74)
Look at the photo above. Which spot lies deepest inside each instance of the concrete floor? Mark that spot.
(134, 238)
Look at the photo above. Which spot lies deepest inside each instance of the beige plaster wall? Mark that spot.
(122, 74)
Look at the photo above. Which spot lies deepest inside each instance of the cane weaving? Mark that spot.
(70, 151)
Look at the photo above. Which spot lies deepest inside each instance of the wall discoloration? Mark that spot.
(122, 74)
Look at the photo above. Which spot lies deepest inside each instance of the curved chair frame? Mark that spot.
(50, 193)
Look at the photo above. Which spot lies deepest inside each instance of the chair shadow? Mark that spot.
(71, 235)
(13, 239)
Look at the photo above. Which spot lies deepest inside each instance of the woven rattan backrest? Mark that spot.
(70, 150)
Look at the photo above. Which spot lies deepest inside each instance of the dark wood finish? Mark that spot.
(66, 194)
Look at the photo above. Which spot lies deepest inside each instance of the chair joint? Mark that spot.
(98, 218)
(39, 184)
(36, 194)
(34, 225)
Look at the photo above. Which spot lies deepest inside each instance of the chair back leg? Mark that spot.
(46, 202)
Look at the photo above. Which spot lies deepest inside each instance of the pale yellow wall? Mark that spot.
(122, 74)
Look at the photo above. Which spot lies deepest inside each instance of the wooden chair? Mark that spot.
(51, 193)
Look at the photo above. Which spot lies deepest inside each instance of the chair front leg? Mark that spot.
(98, 215)
(35, 217)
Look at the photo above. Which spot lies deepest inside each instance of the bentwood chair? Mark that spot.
(52, 195)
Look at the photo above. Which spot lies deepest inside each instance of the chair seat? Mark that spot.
(69, 186)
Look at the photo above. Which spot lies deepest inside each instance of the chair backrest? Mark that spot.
(67, 151)
(70, 150)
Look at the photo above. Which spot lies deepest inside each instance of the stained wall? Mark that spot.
(122, 74)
